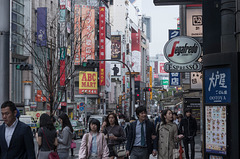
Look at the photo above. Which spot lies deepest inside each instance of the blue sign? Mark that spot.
(217, 85)
(81, 109)
(81, 104)
(174, 79)
(172, 33)
(41, 26)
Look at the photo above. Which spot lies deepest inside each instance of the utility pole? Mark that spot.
(4, 50)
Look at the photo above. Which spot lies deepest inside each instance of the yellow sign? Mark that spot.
(150, 80)
(88, 82)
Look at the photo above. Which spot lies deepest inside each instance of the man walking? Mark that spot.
(188, 127)
(141, 140)
(16, 138)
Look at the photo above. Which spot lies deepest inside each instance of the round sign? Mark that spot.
(38, 115)
(182, 50)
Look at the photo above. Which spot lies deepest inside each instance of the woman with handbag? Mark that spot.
(46, 137)
(167, 135)
(64, 137)
(94, 144)
(115, 136)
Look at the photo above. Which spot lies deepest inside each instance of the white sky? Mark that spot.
(163, 18)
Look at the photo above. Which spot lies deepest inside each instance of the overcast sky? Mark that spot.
(163, 18)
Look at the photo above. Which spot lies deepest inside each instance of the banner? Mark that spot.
(88, 33)
(88, 83)
(68, 5)
(62, 72)
(42, 26)
(116, 47)
(62, 15)
(77, 38)
(136, 54)
(102, 45)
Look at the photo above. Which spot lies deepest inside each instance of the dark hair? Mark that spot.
(65, 121)
(175, 113)
(140, 109)
(45, 121)
(9, 104)
(96, 122)
(180, 116)
(115, 117)
(164, 112)
(188, 110)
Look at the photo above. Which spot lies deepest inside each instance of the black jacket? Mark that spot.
(150, 130)
(188, 127)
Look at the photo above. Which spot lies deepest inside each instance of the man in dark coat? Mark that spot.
(188, 127)
(141, 140)
(16, 138)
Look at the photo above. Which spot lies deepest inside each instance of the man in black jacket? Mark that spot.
(188, 127)
(141, 140)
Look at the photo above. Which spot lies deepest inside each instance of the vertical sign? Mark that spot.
(174, 79)
(88, 82)
(62, 15)
(68, 5)
(62, 72)
(217, 85)
(77, 38)
(88, 33)
(62, 53)
(102, 46)
(42, 26)
(172, 33)
(62, 4)
(150, 80)
(161, 68)
(136, 53)
(116, 47)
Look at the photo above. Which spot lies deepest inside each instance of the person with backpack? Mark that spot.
(94, 144)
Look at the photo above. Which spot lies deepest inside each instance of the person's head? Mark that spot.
(175, 116)
(9, 112)
(94, 125)
(141, 113)
(45, 121)
(112, 119)
(180, 116)
(64, 120)
(188, 112)
(53, 119)
(167, 116)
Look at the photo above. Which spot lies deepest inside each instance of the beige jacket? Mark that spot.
(167, 137)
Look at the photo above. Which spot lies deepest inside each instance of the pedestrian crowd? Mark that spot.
(117, 137)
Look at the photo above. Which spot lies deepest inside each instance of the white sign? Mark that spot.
(116, 69)
(196, 80)
(194, 22)
(136, 61)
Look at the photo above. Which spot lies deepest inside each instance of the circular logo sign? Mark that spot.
(182, 50)
(38, 115)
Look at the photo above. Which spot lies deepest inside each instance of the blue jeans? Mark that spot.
(63, 155)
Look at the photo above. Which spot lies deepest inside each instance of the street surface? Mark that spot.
(198, 154)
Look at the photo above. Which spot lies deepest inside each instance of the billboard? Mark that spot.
(116, 47)
(102, 43)
(88, 82)
(77, 39)
(42, 26)
(88, 33)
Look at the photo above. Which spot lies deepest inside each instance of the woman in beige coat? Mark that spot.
(167, 134)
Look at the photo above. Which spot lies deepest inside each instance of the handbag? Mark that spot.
(176, 151)
(52, 155)
(120, 150)
(73, 145)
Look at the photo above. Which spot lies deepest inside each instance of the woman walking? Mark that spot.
(64, 137)
(46, 137)
(167, 135)
(94, 144)
(114, 133)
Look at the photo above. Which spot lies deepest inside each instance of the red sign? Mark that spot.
(102, 45)
(62, 7)
(37, 115)
(64, 104)
(62, 72)
(161, 66)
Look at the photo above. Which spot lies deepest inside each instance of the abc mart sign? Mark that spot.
(182, 53)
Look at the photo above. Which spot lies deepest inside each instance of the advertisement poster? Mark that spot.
(108, 77)
(88, 33)
(215, 157)
(196, 80)
(88, 83)
(216, 129)
(41, 26)
(115, 69)
(116, 47)
(77, 39)
(102, 44)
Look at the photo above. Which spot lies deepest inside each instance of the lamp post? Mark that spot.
(130, 108)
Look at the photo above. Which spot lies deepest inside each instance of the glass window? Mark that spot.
(14, 17)
(16, 81)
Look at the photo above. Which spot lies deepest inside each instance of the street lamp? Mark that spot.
(130, 108)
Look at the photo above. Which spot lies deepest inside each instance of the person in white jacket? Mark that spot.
(94, 144)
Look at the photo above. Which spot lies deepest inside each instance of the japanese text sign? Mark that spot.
(102, 46)
(88, 82)
(218, 85)
(174, 79)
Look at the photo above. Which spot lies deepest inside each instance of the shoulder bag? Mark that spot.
(52, 155)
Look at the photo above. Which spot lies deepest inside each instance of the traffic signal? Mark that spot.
(90, 63)
(24, 66)
(148, 89)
